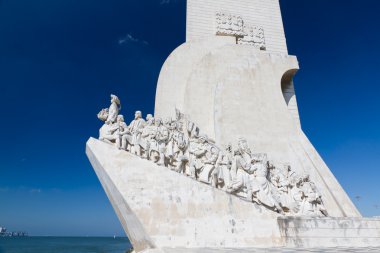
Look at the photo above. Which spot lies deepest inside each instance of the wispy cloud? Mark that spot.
(20, 189)
(130, 39)
(35, 191)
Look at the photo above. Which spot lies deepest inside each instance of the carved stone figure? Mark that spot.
(222, 174)
(109, 116)
(122, 132)
(177, 146)
(204, 157)
(171, 127)
(241, 164)
(282, 180)
(154, 149)
(148, 138)
(107, 133)
(162, 137)
(312, 203)
(260, 187)
(251, 172)
(135, 129)
(113, 110)
(181, 153)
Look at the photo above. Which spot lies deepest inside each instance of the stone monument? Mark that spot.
(223, 165)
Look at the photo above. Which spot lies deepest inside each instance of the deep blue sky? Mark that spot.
(60, 60)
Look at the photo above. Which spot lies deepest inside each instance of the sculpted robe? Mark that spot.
(113, 111)
(135, 128)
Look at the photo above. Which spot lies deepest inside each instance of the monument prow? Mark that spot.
(162, 210)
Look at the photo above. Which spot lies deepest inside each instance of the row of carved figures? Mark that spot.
(178, 145)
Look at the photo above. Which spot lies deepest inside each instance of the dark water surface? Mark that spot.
(63, 245)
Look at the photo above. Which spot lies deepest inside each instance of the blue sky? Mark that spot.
(60, 60)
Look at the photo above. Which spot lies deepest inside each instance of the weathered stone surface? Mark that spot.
(130, 222)
(201, 19)
(330, 232)
(272, 250)
(164, 211)
(161, 208)
(234, 91)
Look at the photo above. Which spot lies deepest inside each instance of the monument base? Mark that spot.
(267, 250)
(309, 232)
(164, 211)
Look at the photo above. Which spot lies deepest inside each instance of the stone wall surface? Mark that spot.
(330, 232)
(233, 91)
(272, 250)
(265, 13)
(163, 211)
(161, 208)
(175, 72)
(128, 219)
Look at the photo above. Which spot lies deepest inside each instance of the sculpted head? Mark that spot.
(302, 180)
(172, 126)
(168, 121)
(115, 99)
(179, 126)
(120, 118)
(243, 145)
(203, 138)
(158, 122)
(306, 178)
(150, 119)
(138, 115)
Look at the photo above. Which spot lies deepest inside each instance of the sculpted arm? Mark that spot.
(113, 129)
(145, 134)
(199, 152)
(125, 129)
(140, 127)
(214, 157)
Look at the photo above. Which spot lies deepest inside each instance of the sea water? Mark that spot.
(122, 245)
(64, 245)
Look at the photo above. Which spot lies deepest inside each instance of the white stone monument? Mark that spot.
(224, 165)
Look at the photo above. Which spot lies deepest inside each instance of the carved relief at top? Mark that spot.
(254, 37)
(227, 24)
(231, 25)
